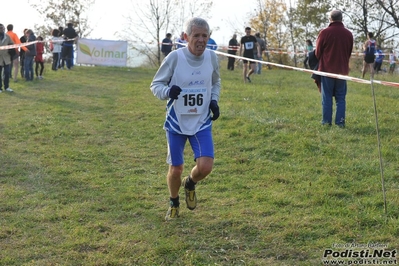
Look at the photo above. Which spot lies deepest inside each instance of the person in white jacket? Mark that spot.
(392, 62)
(56, 47)
(189, 80)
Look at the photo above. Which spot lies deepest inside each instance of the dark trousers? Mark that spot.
(11, 67)
(68, 55)
(56, 61)
(5, 75)
(377, 66)
(230, 63)
(305, 62)
(37, 68)
(22, 64)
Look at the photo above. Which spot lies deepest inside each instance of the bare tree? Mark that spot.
(58, 13)
(146, 25)
(366, 16)
(390, 7)
(187, 9)
(150, 22)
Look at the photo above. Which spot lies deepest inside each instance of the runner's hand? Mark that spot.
(215, 109)
(174, 92)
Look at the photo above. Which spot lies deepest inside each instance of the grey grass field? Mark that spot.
(83, 173)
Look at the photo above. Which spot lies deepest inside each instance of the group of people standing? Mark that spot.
(251, 47)
(167, 43)
(334, 48)
(30, 52)
(373, 56)
(61, 46)
(10, 58)
(374, 63)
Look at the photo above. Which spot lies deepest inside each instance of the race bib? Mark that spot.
(249, 45)
(192, 101)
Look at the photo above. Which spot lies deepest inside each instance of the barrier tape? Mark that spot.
(6, 47)
(234, 48)
(283, 51)
(320, 73)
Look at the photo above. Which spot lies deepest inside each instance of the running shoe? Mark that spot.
(191, 198)
(173, 213)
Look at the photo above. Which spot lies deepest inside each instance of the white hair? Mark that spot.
(196, 22)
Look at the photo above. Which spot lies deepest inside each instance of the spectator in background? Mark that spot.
(62, 58)
(392, 62)
(39, 57)
(5, 60)
(70, 35)
(232, 49)
(180, 41)
(22, 51)
(29, 55)
(55, 48)
(262, 45)
(15, 60)
(250, 45)
(378, 59)
(167, 44)
(369, 48)
(333, 50)
(211, 44)
(309, 48)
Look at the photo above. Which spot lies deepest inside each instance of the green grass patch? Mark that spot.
(83, 173)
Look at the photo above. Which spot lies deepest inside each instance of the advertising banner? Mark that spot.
(101, 52)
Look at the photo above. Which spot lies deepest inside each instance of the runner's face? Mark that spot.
(197, 40)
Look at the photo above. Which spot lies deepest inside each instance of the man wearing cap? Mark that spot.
(249, 43)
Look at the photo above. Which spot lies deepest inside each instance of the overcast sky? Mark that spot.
(107, 17)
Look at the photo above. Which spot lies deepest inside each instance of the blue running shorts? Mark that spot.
(201, 144)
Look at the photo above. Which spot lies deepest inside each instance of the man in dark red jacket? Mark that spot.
(333, 50)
